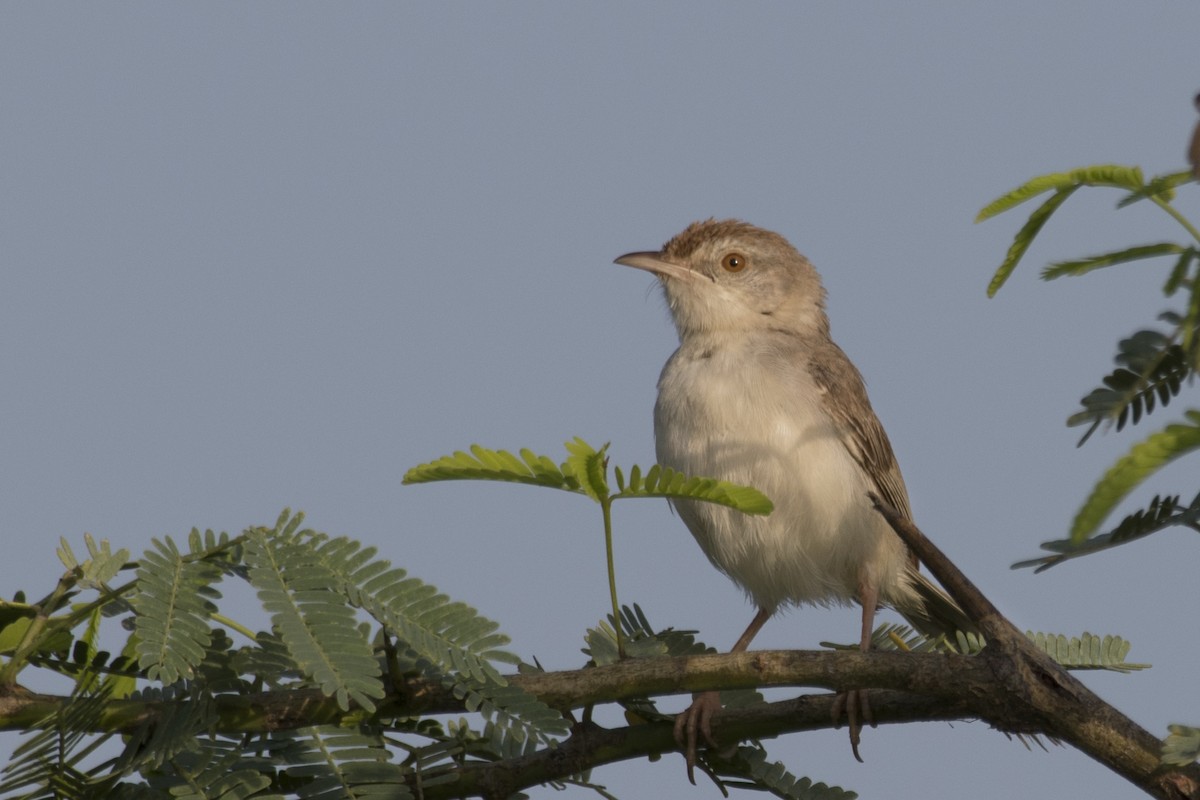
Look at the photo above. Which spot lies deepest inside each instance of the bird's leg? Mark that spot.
(697, 718)
(854, 701)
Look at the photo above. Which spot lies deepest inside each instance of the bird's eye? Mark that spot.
(733, 262)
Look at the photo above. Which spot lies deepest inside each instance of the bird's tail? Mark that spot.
(935, 613)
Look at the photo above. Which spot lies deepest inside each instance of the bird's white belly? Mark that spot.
(724, 416)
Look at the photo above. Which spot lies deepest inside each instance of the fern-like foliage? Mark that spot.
(101, 565)
(662, 481)
(333, 762)
(173, 608)
(589, 467)
(267, 660)
(1160, 514)
(781, 783)
(1082, 266)
(1087, 651)
(94, 670)
(1151, 368)
(1143, 459)
(447, 638)
(217, 783)
(1114, 175)
(583, 472)
(212, 769)
(1160, 188)
(748, 768)
(49, 762)
(219, 549)
(1063, 185)
(643, 640)
(185, 713)
(586, 472)
(312, 618)
(485, 464)
(896, 637)
(1182, 745)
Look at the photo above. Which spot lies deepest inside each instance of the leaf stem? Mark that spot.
(232, 624)
(1182, 220)
(606, 509)
(37, 626)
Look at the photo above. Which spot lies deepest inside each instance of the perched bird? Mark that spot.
(759, 394)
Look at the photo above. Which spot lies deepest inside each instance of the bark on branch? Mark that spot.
(1013, 695)
(1039, 691)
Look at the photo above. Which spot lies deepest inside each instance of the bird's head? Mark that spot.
(727, 275)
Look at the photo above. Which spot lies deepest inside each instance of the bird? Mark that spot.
(758, 394)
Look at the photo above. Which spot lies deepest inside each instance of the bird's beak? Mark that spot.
(653, 261)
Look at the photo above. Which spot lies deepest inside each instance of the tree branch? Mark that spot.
(1023, 696)
(592, 746)
(635, 678)
(1038, 690)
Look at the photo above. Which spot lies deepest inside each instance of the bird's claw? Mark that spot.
(696, 720)
(856, 706)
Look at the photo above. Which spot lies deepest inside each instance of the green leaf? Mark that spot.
(1160, 187)
(585, 472)
(173, 612)
(1087, 651)
(641, 640)
(1180, 270)
(1182, 746)
(313, 619)
(1152, 369)
(445, 639)
(750, 764)
(895, 637)
(102, 564)
(1161, 513)
(1143, 459)
(1190, 325)
(53, 753)
(1025, 237)
(214, 770)
(336, 763)
(485, 464)
(119, 684)
(1062, 184)
(184, 713)
(1085, 265)
(589, 467)
(665, 482)
(1113, 175)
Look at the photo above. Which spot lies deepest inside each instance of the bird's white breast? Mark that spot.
(736, 411)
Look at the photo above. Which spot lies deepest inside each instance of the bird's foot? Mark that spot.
(696, 721)
(856, 707)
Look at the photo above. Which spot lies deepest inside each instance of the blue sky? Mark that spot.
(268, 255)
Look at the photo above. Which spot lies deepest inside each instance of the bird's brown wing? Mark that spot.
(859, 428)
(864, 437)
